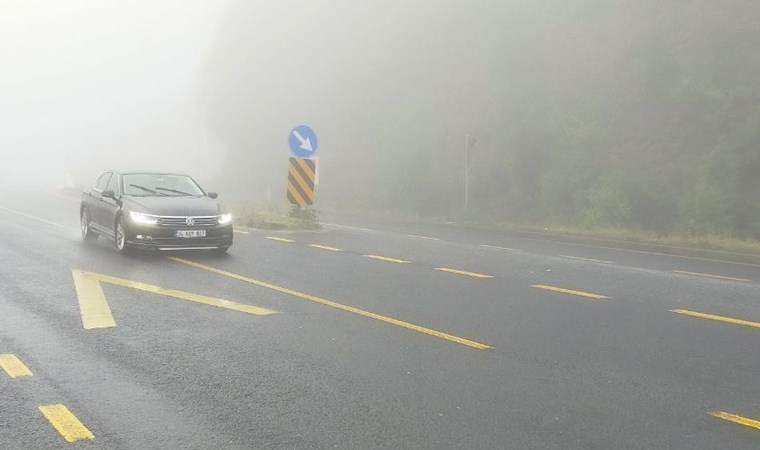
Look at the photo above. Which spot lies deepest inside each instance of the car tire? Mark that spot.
(88, 235)
(120, 237)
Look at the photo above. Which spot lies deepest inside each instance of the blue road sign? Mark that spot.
(303, 141)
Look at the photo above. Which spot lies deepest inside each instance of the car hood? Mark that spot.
(175, 206)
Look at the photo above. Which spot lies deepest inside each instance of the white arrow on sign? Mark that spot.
(305, 143)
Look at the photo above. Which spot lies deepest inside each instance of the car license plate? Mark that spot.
(190, 233)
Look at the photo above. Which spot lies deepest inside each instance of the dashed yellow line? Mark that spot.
(14, 367)
(570, 291)
(708, 275)
(66, 423)
(464, 272)
(717, 318)
(735, 418)
(332, 304)
(241, 231)
(385, 258)
(324, 247)
(279, 239)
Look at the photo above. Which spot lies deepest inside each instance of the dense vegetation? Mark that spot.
(641, 115)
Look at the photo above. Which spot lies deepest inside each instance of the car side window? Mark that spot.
(103, 182)
(97, 180)
(113, 185)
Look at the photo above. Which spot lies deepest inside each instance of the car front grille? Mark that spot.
(190, 221)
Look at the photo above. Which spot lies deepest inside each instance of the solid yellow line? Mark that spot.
(385, 258)
(707, 275)
(211, 301)
(569, 291)
(336, 305)
(463, 272)
(324, 247)
(66, 423)
(752, 423)
(586, 259)
(280, 239)
(714, 317)
(14, 367)
(93, 306)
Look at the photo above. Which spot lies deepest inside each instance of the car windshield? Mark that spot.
(163, 185)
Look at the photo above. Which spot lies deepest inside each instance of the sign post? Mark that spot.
(302, 168)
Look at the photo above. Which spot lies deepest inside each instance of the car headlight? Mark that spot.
(224, 219)
(143, 219)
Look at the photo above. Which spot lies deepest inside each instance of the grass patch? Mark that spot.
(274, 220)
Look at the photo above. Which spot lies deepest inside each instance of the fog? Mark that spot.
(87, 86)
(639, 114)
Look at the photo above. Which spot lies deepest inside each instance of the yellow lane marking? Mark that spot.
(279, 239)
(324, 247)
(336, 305)
(241, 231)
(96, 313)
(570, 291)
(14, 367)
(714, 317)
(752, 423)
(586, 259)
(463, 272)
(385, 258)
(707, 275)
(93, 305)
(498, 248)
(423, 237)
(66, 423)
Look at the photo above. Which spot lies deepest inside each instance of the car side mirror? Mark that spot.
(213, 195)
(108, 194)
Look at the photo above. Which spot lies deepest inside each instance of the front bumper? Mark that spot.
(157, 237)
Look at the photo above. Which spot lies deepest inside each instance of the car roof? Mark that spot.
(147, 172)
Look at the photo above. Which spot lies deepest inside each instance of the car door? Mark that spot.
(110, 206)
(98, 209)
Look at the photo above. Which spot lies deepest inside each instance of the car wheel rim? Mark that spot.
(119, 237)
(85, 223)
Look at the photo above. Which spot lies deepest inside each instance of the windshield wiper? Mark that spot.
(143, 188)
(172, 190)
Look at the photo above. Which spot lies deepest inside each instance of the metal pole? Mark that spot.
(467, 172)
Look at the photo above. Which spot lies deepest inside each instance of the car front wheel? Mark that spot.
(87, 234)
(120, 235)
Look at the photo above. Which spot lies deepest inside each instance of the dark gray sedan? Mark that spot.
(161, 211)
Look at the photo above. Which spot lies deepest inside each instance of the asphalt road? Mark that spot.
(382, 335)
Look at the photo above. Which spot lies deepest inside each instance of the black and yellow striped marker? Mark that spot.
(301, 173)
